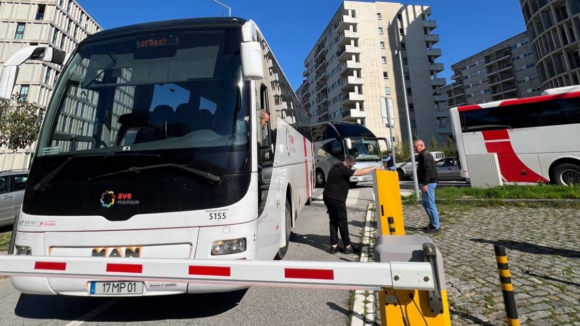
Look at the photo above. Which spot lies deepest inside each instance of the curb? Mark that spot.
(364, 310)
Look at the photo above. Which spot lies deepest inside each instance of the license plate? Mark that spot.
(115, 288)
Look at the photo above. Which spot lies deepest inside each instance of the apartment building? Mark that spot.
(505, 70)
(554, 30)
(357, 62)
(61, 24)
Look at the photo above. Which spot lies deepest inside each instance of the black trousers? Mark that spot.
(338, 220)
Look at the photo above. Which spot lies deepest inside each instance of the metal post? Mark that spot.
(415, 181)
(229, 9)
(507, 287)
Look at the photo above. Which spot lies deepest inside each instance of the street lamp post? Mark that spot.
(229, 9)
(413, 166)
(389, 120)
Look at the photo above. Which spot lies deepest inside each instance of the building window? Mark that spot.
(47, 76)
(23, 92)
(382, 45)
(379, 16)
(55, 79)
(76, 30)
(68, 27)
(387, 91)
(407, 76)
(402, 31)
(54, 36)
(403, 46)
(68, 7)
(384, 60)
(40, 12)
(380, 31)
(399, 17)
(62, 42)
(409, 92)
(385, 75)
(81, 19)
(405, 62)
(19, 31)
(413, 124)
(60, 3)
(411, 107)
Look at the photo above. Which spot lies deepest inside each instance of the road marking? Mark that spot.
(93, 313)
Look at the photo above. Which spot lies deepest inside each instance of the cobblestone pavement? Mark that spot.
(543, 250)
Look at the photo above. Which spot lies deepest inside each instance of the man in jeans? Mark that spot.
(427, 177)
(334, 196)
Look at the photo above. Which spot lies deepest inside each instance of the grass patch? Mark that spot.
(5, 240)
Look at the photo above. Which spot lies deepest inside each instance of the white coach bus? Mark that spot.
(535, 138)
(156, 144)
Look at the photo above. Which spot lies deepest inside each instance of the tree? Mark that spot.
(19, 123)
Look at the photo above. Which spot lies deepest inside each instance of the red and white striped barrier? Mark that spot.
(329, 275)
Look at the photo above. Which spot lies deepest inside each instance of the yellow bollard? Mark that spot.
(389, 207)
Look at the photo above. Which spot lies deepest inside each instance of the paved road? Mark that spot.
(255, 306)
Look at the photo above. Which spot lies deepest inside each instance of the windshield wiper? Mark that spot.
(41, 185)
(209, 176)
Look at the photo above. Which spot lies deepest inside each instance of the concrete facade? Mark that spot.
(554, 30)
(505, 70)
(61, 24)
(354, 65)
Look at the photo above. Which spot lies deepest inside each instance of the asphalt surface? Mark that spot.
(254, 306)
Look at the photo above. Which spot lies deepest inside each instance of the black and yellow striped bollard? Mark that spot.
(507, 287)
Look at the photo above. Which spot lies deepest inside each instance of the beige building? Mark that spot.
(61, 24)
(554, 30)
(354, 65)
(505, 70)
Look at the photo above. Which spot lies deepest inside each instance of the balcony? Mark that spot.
(319, 77)
(319, 66)
(438, 82)
(444, 130)
(347, 36)
(440, 97)
(457, 76)
(348, 51)
(437, 67)
(502, 79)
(496, 92)
(432, 38)
(345, 23)
(354, 80)
(442, 114)
(350, 65)
(319, 89)
(430, 24)
(434, 53)
(456, 94)
(455, 85)
(305, 73)
(352, 97)
(353, 114)
(321, 100)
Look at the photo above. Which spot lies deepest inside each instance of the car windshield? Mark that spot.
(365, 149)
(149, 92)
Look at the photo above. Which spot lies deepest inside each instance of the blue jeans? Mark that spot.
(428, 201)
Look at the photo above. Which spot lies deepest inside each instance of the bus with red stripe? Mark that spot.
(176, 139)
(535, 138)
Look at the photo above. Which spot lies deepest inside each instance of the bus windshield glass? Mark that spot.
(150, 92)
(365, 149)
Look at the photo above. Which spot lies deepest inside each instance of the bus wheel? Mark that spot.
(288, 220)
(319, 179)
(567, 174)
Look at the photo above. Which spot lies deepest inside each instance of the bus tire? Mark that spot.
(320, 180)
(567, 174)
(288, 221)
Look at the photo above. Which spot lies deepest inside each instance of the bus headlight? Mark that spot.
(23, 250)
(227, 247)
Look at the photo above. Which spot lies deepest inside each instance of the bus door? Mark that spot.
(335, 154)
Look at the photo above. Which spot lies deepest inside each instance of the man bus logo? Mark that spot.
(117, 252)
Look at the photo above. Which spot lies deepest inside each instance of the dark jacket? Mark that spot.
(426, 168)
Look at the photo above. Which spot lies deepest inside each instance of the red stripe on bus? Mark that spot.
(511, 167)
(542, 98)
(495, 135)
(124, 268)
(50, 266)
(209, 270)
(468, 107)
(316, 274)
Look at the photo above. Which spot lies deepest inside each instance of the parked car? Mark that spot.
(404, 169)
(448, 169)
(12, 184)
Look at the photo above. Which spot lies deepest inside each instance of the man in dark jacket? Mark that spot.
(427, 177)
(334, 196)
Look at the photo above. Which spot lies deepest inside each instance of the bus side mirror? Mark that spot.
(10, 66)
(348, 143)
(252, 68)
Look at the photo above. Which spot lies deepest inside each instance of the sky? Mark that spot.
(292, 27)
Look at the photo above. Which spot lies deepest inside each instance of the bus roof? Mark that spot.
(346, 129)
(551, 94)
(166, 25)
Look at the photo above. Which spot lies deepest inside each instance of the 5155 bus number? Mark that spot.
(217, 216)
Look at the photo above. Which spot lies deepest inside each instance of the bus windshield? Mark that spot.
(158, 91)
(365, 149)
